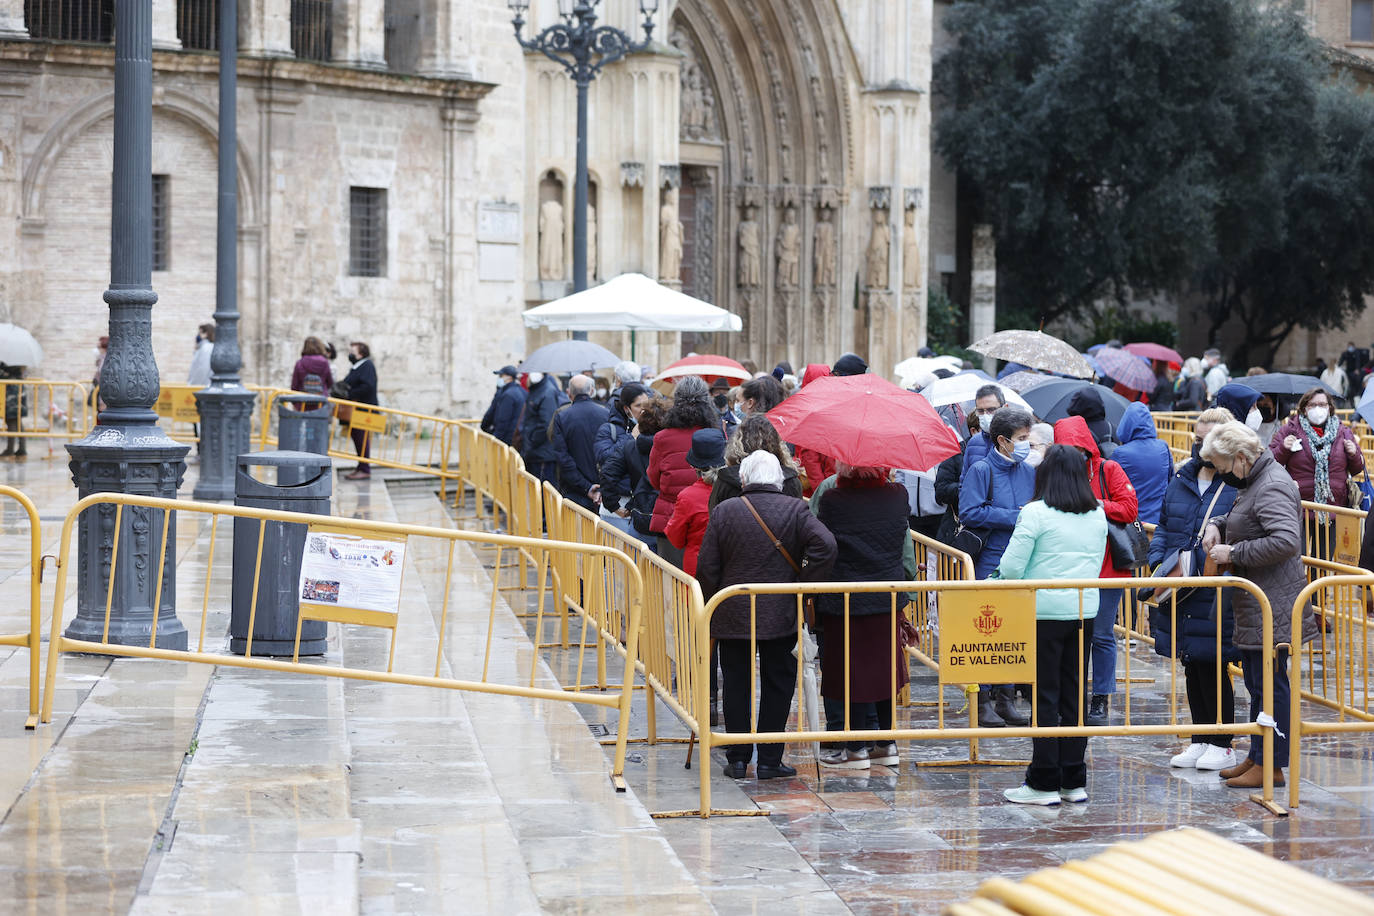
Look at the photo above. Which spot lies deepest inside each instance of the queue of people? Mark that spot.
(707, 482)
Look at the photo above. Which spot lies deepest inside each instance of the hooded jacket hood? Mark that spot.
(1087, 403)
(1074, 431)
(813, 372)
(1136, 423)
(1238, 399)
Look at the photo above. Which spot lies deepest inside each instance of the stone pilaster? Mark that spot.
(445, 40)
(265, 28)
(165, 26)
(12, 19)
(360, 33)
(983, 300)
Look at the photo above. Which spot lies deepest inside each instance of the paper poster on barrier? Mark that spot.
(1346, 540)
(351, 571)
(988, 637)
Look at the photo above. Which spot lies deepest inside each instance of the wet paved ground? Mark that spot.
(302, 794)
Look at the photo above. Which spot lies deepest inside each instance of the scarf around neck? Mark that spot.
(1321, 455)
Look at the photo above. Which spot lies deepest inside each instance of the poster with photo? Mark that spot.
(347, 570)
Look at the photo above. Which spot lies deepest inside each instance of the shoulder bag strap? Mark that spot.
(1207, 516)
(769, 531)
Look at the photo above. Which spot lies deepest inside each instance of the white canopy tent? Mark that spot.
(631, 302)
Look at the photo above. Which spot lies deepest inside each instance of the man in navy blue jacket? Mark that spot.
(503, 416)
(574, 444)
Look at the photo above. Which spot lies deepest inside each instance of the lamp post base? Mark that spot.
(226, 413)
(141, 460)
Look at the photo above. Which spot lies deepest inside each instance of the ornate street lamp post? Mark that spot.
(226, 407)
(582, 48)
(128, 452)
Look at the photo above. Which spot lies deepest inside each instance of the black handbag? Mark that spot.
(1127, 542)
(972, 540)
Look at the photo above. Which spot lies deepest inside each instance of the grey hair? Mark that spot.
(1231, 440)
(691, 388)
(1042, 434)
(581, 384)
(626, 371)
(762, 469)
(991, 390)
(1008, 420)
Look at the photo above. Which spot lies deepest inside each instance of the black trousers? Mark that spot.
(1200, 677)
(1057, 763)
(1251, 664)
(362, 441)
(777, 682)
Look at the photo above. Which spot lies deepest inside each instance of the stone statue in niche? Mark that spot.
(750, 251)
(911, 252)
(789, 250)
(669, 239)
(551, 240)
(591, 243)
(823, 248)
(879, 250)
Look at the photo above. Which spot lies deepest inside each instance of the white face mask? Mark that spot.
(601, 392)
(1035, 457)
(1318, 416)
(536, 378)
(1253, 419)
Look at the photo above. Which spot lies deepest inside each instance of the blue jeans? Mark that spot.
(1104, 642)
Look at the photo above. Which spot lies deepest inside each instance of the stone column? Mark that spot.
(12, 19)
(265, 28)
(165, 26)
(360, 33)
(983, 299)
(128, 452)
(445, 40)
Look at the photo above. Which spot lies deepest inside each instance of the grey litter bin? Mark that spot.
(274, 626)
(302, 426)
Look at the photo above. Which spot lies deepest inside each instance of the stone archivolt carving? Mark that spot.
(789, 250)
(734, 79)
(823, 248)
(698, 101)
(551, 240)
(878, 253)
(750, 251)
(704, 240)
(911, 252)
(669, 239)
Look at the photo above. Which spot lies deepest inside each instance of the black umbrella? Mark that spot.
(1050, 400)
(1284, 383)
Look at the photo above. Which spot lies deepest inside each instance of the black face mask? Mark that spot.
(1240, 483)
(352, 357)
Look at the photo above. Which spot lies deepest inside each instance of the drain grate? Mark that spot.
(599, 731)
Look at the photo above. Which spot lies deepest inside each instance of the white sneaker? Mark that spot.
(1189, 758)
(1025, 795)
(1216, 758)
(1074, 795)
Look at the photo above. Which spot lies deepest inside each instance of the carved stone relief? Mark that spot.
(669, 239)
(750, 251)
(911, 252)
(823, 248)
(704, 235)
(697, 103)
(789, 250)
(879, 251)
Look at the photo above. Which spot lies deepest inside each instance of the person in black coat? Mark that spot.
(361, 383)
(574, 444)
(540, 405)
(1189, 498)
(754, 434)
(736, 550)
(868, 517)
(1087, 403)
(503, 416)
(625, 488)
(947, 492)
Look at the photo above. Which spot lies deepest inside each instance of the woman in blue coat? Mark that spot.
(1145, 458)
(1188, 501)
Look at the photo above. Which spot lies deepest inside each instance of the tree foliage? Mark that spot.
(1176, 146)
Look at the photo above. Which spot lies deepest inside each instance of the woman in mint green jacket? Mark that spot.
(1058, 535)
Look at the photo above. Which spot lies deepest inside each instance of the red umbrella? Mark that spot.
(865, 420)
(706, 366)
(1154, 351)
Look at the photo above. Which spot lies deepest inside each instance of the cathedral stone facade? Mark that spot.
(406, 175)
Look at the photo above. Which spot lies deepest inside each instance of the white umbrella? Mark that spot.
(18, 348)
(811, 701)
(910, 370)
(631, 302)
(960, 388)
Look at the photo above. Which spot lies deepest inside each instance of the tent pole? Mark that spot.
(633, 357)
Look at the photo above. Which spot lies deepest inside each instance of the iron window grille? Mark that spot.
(367, 232)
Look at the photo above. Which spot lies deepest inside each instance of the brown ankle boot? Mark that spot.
(1253, 778)
(1238, 770)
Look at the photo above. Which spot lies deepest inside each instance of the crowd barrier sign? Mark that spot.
(437, 544)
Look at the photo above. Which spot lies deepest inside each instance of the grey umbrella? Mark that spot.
(1035, 349)
(18, 348)
(569, 356)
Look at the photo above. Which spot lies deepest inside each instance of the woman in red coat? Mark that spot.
(669, 472)
(692, 511)
(1113, 490)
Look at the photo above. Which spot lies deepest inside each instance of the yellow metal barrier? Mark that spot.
(30, 640)
(1170, 872)
(709, 739)
(937, 562)
(45, 409)
(1334, 669)
(399, 439)
(594, 560)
